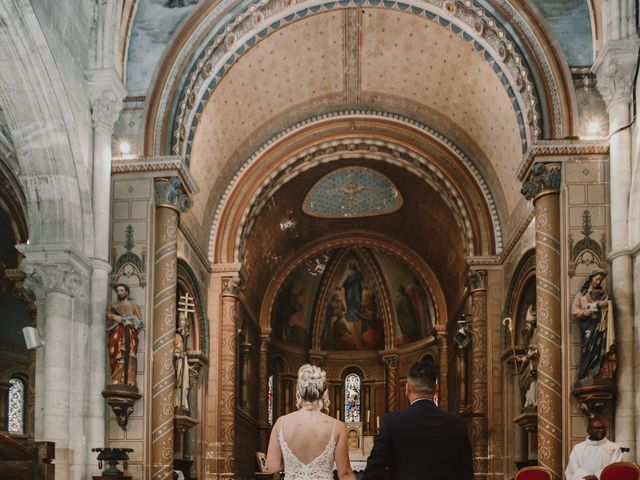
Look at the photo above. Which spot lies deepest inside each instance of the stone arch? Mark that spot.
(43, 130)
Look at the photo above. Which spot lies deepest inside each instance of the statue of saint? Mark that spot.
(591, 309)
(182, 364)
(124, 321)
(529, 374)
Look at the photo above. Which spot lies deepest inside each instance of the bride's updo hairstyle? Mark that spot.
(312, 387)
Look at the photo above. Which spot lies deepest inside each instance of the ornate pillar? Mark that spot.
(615, 68)
(227, 385)
(106, 92)
(391, 362)
(543, 186)
(443, 366)
(477, 284)
(263, 394)
(170, 201)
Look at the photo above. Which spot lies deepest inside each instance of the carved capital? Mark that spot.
(106, 93)
(544, 178)
(52, 277)
(170, 193)
(615, 68)
(476, 280)
(231, 286)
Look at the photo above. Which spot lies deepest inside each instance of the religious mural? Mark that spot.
(413, 304)
(352, 319)
(345, 296)
(293, 308)
(155, 23)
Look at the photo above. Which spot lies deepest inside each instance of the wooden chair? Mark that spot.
(621, 471)
(533, 473)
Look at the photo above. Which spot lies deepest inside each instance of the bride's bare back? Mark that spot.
(307, 433)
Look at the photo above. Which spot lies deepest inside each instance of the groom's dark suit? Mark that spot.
(421, 442)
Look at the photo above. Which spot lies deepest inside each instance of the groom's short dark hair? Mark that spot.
(422, 376)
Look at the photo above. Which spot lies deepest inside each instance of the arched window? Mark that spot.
(16, 406)
(352, 398)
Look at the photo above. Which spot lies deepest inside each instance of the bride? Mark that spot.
(308, 442)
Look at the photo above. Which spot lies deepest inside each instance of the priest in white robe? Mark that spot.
(588, 458)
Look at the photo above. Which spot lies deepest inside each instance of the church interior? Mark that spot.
(400, 180)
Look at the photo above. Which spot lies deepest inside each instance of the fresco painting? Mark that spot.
(293, 308)
(412, 302)
(155, 23)
(352, 320)
(570, 22)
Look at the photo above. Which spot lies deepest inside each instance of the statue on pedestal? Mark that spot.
(591, 309)
(124, 321)
(183, 369)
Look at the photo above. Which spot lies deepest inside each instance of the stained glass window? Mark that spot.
(270, 400)
(352, 398)
(16, 406)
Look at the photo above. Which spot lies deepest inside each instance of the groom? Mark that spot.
(422, 441)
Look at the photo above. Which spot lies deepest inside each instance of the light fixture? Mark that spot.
(593, 127)
(125, 148)
(463, 336)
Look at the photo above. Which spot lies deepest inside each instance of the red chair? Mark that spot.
(533, 473)
(620, 471)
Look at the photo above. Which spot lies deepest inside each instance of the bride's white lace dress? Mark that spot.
(321, 468)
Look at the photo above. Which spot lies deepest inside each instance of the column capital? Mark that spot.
(231, 286)
(169, 192)
(543, 178)
(54, 268)
(615, 68)
(106, 92)
(476, 280)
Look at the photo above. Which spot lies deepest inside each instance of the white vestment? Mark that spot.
(590, 457)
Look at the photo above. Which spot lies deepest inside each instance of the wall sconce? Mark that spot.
(32, 337)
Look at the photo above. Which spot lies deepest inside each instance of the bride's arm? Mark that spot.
(342, 454)
(274, 454)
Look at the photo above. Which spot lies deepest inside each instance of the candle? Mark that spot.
(377, 423)
(368, 416)
(338, 413)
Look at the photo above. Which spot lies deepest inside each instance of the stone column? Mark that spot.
(543, 186)
(443, 366)
(391, 362)
(615, 68)
(477, 322)
(263, 393)
(106, 92)
(57, 277)
(230, 301)
(170, 201)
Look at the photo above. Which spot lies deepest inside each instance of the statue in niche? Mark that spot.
(529, 373)
(591, 309)
(124, 322)
(183, 369)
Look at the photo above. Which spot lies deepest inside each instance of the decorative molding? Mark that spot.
(168, 193)
(160, 164)
(237, 33)
(560, 148)
(374, 149)
(544, 177)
